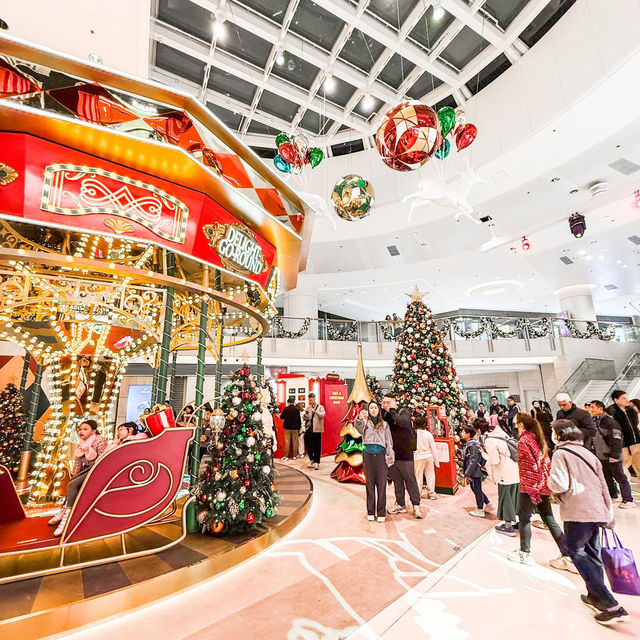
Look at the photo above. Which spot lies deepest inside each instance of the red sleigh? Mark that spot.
(126, 508)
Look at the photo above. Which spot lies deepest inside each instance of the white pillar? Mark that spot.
(577, 301)
(302, 302)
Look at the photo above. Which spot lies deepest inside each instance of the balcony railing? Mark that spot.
(485, 328)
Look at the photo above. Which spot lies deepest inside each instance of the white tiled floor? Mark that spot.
(480, 594)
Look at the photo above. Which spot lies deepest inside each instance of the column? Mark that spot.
(577, 301)
(302, 302)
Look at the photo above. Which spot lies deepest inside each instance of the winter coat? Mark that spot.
(608, 438)
(315, 416)
(582, 491)
(402, 432)
(87, 452)
(426, 446)
(291, 417)
(582, 420)
(372, 435)
(513, 411)
(533, 467)
(628, 421)
(501, 468)
(497, 409)
(472, 459)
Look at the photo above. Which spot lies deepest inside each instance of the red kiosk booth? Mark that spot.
(447, 472)
(331, 392)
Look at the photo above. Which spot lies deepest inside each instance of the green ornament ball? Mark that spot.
(240, 438)
(257, 456)
(268, 513)
(218, 505)
(241, 505)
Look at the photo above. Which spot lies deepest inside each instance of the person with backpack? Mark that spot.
(502, 466)
(473, 466)
(585, 506)
(608, 446)
(533, 468)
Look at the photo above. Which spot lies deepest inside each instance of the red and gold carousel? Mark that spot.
(132, 224)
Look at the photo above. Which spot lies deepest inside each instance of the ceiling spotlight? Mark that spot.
(280, 59)
(526, 245)
(219, 28)
(367, 102)
(577, 224)
(329, 83)
(438, 12)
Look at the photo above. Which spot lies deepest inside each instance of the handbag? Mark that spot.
(620, 567)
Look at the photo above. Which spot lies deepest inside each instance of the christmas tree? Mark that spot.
(375, 387)
(12, 425)
(349, 456)
(423, 371)
(237, 491)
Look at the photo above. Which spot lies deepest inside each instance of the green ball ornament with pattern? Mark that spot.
(241, 505)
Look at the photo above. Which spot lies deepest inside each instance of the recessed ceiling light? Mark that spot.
(280, 59)
(438, 12)
(367, 102)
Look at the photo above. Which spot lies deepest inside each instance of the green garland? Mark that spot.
(283, 333)
(349, 336)
(592, 330)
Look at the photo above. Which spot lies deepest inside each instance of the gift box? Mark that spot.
(160, 418)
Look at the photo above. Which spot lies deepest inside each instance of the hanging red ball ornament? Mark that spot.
(250, 518)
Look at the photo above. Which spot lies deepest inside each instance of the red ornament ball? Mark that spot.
(250, 518)
(408, 136)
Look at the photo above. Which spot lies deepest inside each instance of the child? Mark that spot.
(472, 466)
(425, 457)
(378, 456)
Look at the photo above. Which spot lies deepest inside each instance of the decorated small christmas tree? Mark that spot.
(349, 456)
(237, 491)
(374, 386)
(423, 371)
(12, 426)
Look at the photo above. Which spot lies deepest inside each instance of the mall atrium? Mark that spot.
(319, 319)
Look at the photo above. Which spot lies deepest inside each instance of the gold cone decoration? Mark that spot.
(360, 391)
(350, 430)
(355, 459)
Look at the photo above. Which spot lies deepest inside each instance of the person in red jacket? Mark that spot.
(533, 466)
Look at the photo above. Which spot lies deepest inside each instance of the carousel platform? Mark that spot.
(61, 602)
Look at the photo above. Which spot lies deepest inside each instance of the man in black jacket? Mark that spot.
(626, 416)
(495, 408)
(291, 426)
(402, 472)
(608, 446)
(512, 412)
(579, 417)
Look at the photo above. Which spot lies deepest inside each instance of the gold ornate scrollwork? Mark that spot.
(7, 174)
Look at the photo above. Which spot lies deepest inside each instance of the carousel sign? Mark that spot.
(237, 248)
(74, 190)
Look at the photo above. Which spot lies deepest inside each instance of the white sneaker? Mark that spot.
(371, 518)
(63, 521)
(521, 557)
(477, 513)
(627, 505)
(284, 458)
(563, 563)
(433, 496)
(381, 518)
(316, 466)
(56, 517)
(417, 512)
(396, 508)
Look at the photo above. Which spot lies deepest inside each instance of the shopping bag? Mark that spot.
(620, 566)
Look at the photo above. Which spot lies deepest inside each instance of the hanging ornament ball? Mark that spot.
(353, 197)
(219, 446)
(257, 417)
(220, 496)
(217, 526)
(268, 513)
(251, 441)
(202, 516)
(243, 490)
(250, 458)
(281, 138)
(250, 518)
(236, 400)
(408, 136)
(266, 469)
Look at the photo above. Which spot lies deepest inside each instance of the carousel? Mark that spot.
(133, 225)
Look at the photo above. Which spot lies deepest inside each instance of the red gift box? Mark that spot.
(160, 420)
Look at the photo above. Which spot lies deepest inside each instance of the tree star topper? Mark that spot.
(416, 295)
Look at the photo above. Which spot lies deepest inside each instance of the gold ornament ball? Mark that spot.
(353, 197)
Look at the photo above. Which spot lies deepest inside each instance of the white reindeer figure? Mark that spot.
(319, 205)
(453, 194)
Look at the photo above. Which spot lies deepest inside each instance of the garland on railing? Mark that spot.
(283, 333)
(489, 325)
(501, 333)
(541, 330)
(349, 336)
(592, 330)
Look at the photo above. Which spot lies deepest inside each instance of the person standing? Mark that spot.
(495, 408)
(291, 425)
(533, 468)
(568, 411)
(503, 470)
(402, 472)
(627, 417)
(377, 458)
(425, 457)
(480, 412)
(512, 411)
(585, 506)
(314, 421)
(472, 463)
(608, 446)
(545, 418)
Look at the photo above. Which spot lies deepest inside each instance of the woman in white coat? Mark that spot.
(425, 457)
(503, 470)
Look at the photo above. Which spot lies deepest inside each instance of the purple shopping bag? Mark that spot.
(620, 567)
